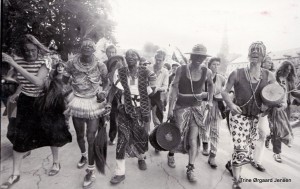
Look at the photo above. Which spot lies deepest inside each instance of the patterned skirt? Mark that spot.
(132, 134)
(244, 132)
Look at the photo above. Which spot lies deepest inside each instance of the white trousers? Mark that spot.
(263, 131)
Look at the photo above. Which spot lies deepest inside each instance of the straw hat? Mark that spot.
(199, 49)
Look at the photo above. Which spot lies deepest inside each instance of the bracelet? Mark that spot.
(103, 92)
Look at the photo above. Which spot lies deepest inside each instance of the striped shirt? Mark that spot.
(28, 88)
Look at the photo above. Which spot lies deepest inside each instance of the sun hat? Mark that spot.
(199, 49)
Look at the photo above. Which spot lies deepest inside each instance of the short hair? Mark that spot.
(212, 60)
(161, 53)
(111, 47)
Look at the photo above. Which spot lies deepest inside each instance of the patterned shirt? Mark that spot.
(86, 79)
(133, 86)
(33, 67)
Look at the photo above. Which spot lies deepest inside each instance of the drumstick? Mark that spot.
(294, 90)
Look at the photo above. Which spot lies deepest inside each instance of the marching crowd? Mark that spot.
(128, 92)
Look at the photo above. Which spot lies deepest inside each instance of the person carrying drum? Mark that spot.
(247, 108)
(263, 127)
(136, 83)
(185, 105)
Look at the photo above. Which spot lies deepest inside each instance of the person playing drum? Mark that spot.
(247, 108)
(185, 105)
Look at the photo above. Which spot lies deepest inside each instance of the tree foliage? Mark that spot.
(65, 21)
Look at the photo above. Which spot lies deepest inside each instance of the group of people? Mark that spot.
(127, 93)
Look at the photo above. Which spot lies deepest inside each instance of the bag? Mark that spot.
(281, 126)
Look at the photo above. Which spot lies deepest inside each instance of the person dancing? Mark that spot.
(89, 84)
(34, 128)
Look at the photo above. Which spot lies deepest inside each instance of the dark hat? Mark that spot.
(199, 49)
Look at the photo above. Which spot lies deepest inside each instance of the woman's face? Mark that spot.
(60, 69)
(30, 52)
(287, 71)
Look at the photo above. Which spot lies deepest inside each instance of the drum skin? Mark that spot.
(165, 137)
(272, 94)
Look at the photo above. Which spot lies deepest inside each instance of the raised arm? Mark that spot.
(37, 80)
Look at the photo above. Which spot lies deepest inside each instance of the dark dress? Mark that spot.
(39, 122)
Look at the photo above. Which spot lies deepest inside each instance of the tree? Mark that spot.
(65, 21)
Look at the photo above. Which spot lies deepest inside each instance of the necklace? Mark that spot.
(198, 99)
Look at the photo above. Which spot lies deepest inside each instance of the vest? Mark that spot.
(184, 87)
(243, 92)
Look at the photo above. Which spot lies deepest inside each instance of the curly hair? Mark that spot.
(30, 39)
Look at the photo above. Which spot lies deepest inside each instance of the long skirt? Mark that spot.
(244, 132)
(212, 123)
(132, 134)
(34, 129)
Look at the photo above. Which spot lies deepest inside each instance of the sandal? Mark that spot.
(10, 181)
(53, 172)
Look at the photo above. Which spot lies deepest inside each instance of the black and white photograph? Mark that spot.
(150, 94)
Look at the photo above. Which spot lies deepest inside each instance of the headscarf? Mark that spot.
(88, 42)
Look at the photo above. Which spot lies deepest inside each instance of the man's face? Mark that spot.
(111, 52)
(87, 48)
(31, 52)
(159, 60)
(214, 66)
(174, 69)
(256, 55)
(197, 59)
(131, 58)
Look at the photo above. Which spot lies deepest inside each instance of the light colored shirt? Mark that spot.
(162, 78)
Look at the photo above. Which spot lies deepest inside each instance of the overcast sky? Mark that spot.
(184, 23)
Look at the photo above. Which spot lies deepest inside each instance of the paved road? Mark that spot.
(157, 176)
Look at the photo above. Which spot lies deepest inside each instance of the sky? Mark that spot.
(184, 23)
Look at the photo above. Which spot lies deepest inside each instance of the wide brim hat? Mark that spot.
(199, 49)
